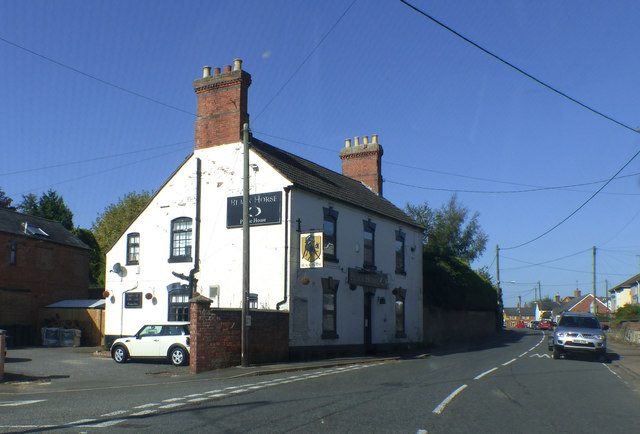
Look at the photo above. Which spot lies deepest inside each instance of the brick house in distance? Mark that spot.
(582, 303)
(344, 262)
(41, 263)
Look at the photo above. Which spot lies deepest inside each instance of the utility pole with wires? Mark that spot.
(244, 353)
(595, 305)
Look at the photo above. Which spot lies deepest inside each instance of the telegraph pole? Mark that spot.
(539, 293)
(595, 305)
(244, 353)
(500, 306)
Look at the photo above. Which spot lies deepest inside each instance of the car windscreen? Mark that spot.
(579, 322)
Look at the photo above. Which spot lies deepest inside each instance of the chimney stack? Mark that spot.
(363, 162)
(577, 293)
(557, 298)
(222, 105)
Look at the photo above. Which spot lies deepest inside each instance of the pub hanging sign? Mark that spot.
(264, 209)
(311, 250)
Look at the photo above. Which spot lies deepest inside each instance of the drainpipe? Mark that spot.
(193, 282)
(285, 279)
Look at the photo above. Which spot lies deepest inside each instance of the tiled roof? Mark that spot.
(629, 283)
(13, 222)
(314, 178)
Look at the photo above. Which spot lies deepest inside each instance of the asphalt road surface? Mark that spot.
(509, 385)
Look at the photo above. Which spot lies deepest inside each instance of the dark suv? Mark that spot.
(580, 333)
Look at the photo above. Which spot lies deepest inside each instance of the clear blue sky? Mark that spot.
(450, 117)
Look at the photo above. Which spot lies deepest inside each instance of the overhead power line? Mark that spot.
(521, 71)
(304, 61)
(93, 77)
(553, 89)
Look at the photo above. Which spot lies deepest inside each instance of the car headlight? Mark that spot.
(561, 334)
(599, 337)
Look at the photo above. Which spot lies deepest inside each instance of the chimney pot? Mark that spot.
(216, 71)
(206, 71)
(227, 68)
(365, 140)
(237, 65)
(347, 143)
(357, 141)
(374, 138)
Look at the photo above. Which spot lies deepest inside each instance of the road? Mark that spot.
(508, 386)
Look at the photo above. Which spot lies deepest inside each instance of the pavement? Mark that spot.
(625, 357)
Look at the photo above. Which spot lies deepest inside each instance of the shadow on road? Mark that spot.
(502, 338)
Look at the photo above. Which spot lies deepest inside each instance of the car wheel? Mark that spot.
(120, 354)
(178, 356)
(556, 354)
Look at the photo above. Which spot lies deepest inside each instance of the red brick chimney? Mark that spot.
(557, 298)
(363, 162)
(222, 105)
(577, 293)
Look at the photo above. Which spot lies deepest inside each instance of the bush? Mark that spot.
(628, 311)
(450, 283)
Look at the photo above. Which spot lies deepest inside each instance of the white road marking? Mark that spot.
(485, 373)
(175, 402)
(440, 408)
(540, 356)
(19, 403)
(81, 421)
(115, 413)
(523, 354)
(171, 400)
(612, 371)
(509, 362)
(151, 404)
(174, 405)
(144, 412)
(107, 423)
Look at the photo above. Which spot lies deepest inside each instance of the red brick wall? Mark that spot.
(216, 336)
(222, 108)
(364, 163)
(44, 273)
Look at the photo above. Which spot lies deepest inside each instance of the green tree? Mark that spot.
(50, 205)
(113, 221)
(5, 201)
(96, 258)
(450, 231)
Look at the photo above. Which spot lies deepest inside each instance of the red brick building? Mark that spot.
(583, 303)
(41, 263)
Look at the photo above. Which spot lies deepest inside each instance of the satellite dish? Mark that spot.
(119, 269)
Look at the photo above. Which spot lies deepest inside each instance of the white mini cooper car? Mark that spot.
(168, 340)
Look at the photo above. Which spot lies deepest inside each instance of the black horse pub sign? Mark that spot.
(264, 209)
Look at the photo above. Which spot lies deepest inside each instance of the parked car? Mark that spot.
(579, 332)
(546, 325)
(168, 340)
(534, 325)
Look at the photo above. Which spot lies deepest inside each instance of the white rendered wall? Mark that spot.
(306, 300)
(220, 248)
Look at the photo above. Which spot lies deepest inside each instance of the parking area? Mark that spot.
(75, 367)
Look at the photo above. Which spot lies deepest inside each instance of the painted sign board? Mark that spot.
(264, 209)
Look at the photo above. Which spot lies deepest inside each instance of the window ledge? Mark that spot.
(329, 335)
(180, 259)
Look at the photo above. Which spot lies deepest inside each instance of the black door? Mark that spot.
(368, 295)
